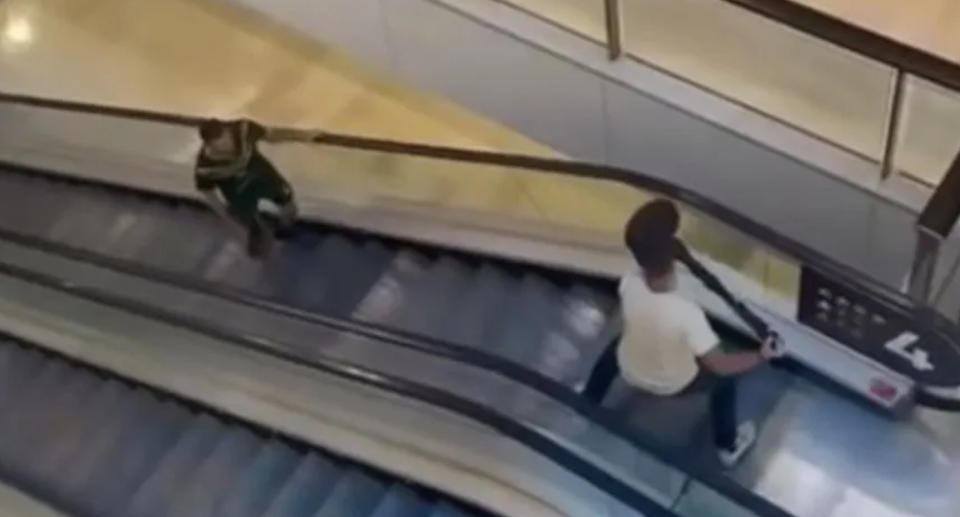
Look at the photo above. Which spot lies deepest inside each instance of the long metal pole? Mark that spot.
(891, 133)
(612, 13)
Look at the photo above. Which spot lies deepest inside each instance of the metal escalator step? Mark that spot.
(482, 305)
(584, 324)
(230, 265)
(173, 472)
(130, 462)
(82, 219)
(433, 296)
(139, 230)
(36, 206)
(333, 258)
(315, 259)
(90, 223)
(26, 454)
(80, 428)
(29, 406)
(214, 476)
(253, 492)
(349, 286)
(385, 300)
(306, 490)
(402, 501)
(446, 509)
(24, 366)
(293, 264)
(356, 494)
(78, 466)
(186, 238)
(526, 321)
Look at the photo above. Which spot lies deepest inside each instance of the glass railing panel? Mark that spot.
(585, 17)
(795, 77)
(930, 134)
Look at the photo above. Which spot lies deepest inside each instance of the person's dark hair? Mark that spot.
(212, 129)
(651, 236)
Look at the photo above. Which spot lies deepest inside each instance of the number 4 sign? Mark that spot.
(918, 357)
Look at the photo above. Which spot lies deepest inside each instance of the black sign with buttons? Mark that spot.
(877, 330)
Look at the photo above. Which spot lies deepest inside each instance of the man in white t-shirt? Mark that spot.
(667, 346)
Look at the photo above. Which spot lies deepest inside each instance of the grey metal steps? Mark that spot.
(526, 320)
(473, 321)
(385, 301)
(307, 489)
(500, 309)
(228, 461)
(349, 285)
(402, 501)
(356, 493)
(432, 295)
(95, 446)
(250, 495)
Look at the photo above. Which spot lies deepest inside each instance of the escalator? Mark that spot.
(92, 444)
(537, 326)
(540, 319)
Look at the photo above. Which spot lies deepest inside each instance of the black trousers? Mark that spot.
(722, 392)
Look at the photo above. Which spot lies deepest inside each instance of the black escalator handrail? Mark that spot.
(422, 343)
(757, 231)
(524, 433)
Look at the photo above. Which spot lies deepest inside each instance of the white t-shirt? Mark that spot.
(663, 334)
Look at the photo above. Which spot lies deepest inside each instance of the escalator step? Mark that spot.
(131, 462)
(350, 285)
(306, 490)
(214, 476)
(334, 257)
(80, 466)
(27, 452)
(173, 472)
(80, 431)
(402, 501)
(526, 321)
(356, 493)
(481, 305)
(290, 266)
(432, 296)
(445, 509)
(585, 319)
(256, 489)
(385, 300)
(24, 366)
(29, 407)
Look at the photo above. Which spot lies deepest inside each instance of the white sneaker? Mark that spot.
(746, 437)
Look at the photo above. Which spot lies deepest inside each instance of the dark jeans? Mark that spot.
(722, 390)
